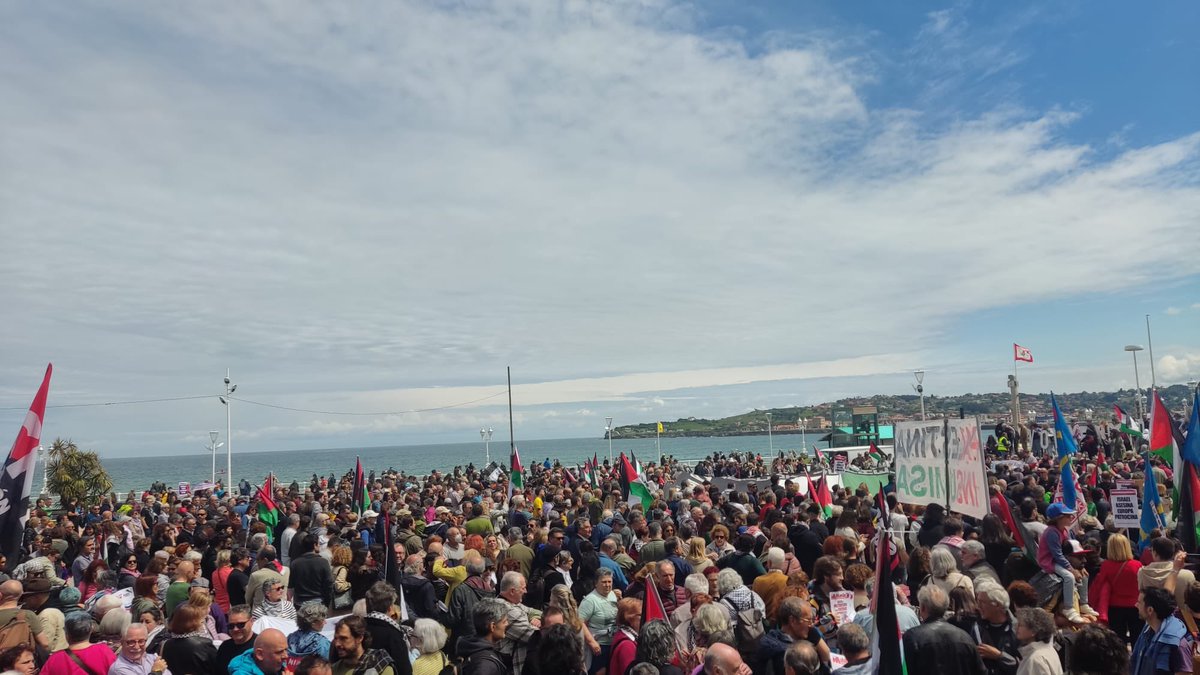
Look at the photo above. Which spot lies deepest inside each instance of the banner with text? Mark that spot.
(923, 475)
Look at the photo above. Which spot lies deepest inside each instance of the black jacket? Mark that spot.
(418, 593)
(191, 656)
(312, 579)
(1004, 638)
(481, 657)
(938, 647)
(230, 650)
(385, 636)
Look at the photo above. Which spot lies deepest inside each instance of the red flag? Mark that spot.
(16, 483)
(1022, 353)
(1022, 537)
(652, 606)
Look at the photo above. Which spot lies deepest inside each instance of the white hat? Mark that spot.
(370, 514)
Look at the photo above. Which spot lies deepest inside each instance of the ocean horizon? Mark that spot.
(138, 473)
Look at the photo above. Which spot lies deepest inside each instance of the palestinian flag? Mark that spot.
(633, 488)
(568, 476)
(875, 454)
(516, 474)
(1126, 424)
(818, 491)
(268, 512)
(1162, 437)
(637, 466)
(359, 497)
(1021, 536)
(652, 607)
(887, 651)
(1188, 526)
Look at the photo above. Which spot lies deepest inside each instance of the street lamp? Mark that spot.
(770, 439)
(803, 434)
(213, 445)
(608, 432)
(227, 400)
(486, 435)
(920, 387)
(1137, 381)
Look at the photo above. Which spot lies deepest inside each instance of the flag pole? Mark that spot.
(1150, 344)
(512, 440)
(658, 441)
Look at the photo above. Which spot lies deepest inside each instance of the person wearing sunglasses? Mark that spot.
(241, 637)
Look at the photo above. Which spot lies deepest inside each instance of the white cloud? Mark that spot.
(1172, 311)
(355, 205)
(1177, 368)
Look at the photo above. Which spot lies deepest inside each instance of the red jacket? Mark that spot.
(1115, 585)
(623, 654)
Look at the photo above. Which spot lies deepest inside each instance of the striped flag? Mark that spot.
(1162, 437)
(1188, 527)
(16, 483)
(634, 488)
(1126, 424)
(358, 494)
(886, 649)
(268, 512)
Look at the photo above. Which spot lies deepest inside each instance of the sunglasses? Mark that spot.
(238, 624)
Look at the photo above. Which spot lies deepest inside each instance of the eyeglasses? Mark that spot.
(238, 624)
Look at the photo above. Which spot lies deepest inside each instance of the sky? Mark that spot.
(648, 209)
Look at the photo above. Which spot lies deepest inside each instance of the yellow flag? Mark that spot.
(660, 427)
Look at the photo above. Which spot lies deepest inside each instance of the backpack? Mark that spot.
(473, 662)
(16, 632)
(450, 667)
(747, 628)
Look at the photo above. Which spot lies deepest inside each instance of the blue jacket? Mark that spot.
(244, 664)
(619, 581)
(1158, 652)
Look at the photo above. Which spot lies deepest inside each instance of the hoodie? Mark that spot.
(244, 664)
(1155, 575)
(480, 657)
(302, 643)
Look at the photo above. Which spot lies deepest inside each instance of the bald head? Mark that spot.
(721, 659)
(185, 570)
(10, 591)
(270, 650)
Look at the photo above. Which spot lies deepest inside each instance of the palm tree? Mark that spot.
(74, 474)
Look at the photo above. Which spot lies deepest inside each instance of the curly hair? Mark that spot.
(1022, 594)
(560, 650)
(1097, 650)
(856, 577)
(656, 643)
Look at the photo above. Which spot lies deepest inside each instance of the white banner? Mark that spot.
(921, 467)
(1126, 510)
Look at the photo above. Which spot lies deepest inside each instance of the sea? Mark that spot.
(138, 473)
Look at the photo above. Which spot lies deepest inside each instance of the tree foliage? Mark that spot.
(75, 474)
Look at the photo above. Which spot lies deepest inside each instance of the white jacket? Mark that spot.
(1039, 658)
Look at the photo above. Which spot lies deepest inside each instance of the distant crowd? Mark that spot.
(448, 573)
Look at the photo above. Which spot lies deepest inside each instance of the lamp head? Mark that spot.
(1134, 348)
(212, 436)
(920, 375)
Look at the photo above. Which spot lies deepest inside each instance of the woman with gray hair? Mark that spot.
(274, 603)
(95, 657)
(944, 571)
(428, 638)
(307, 639)
(735, 596)
(1035, 630)
(656, 646)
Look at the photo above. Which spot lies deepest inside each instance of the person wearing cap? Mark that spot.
(34, 599)
(11, 611)
(1052, 559)
(366, 528)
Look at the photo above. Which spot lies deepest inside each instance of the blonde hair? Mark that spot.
(1119, 549)
(696, 549)
(561, 598)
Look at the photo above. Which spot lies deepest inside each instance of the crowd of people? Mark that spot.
(449, 573)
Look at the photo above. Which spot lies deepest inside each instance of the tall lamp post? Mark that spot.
(770, 439)
(803, 435)
(920, 387)
(608, 432)
(213, 446)
(486, 435)
(1137, 380)
(227, 399)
